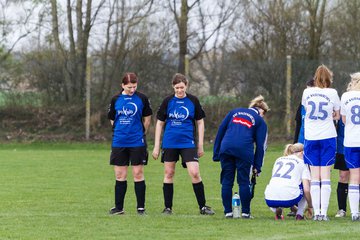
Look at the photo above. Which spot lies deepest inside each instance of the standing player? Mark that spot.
(234, 148)
(130, 115)
(322, 105)
(290, 183)
(299, 119)
(340, 164)
(180, 114)
(350, 112)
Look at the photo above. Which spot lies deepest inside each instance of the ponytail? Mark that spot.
(293, 148)
(259, 102)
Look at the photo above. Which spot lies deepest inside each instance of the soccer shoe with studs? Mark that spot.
(167, 211)
(206, 210)
(279, 214)
(116, 211)
(340, 214)
(246, 216)
(141, 211)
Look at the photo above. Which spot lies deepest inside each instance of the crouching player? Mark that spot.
(290, 183)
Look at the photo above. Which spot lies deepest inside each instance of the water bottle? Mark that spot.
(236, 205)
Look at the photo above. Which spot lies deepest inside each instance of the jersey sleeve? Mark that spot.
(162, 111)
(111, 109)
(199, 111)
(306, 172)
(297, 123)
(336, 101)
(342, 108)
(303, 100)
(260, 140)
(219, 136)
(147, 111)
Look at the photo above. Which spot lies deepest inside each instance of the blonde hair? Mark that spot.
(259, 103)
(323, 77)
(354, 84)
(293, 148)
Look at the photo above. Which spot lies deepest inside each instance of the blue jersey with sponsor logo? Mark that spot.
(179, 115)
(127, 112)
(241, 128)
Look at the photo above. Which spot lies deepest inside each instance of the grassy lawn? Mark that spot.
(64, 191)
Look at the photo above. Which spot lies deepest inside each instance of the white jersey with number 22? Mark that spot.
(287, 174)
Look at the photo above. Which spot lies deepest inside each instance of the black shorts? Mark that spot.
(123, 156)
(172, 155)
(340, 163)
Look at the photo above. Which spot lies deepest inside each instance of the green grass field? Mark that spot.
(64, 191)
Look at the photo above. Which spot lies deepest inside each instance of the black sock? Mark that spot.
(199, 193)
(140, 189)
(168, 190)
(342, 193)
(120, 191)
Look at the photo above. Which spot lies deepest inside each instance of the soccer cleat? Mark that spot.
(317, 218)
(141, 211)
(299, 217)
(246, 216)
(291, 214)
(355, 217)
(278, 214)
(229, 215)
(115, 211)
(206, 210)
(325, 218)
(167, 211)
(340, 214)
(293, 210)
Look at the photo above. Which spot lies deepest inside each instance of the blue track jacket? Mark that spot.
(241, 128)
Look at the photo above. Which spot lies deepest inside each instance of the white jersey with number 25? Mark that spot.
(287, 174)
(320, 103)
(350, 108)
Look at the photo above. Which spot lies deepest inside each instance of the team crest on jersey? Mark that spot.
(129, 109)
(180, 113)
(242, 121)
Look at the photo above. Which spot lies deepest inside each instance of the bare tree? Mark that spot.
(74, 56)
(15, 28)
(211, 56)
(124, 31)
(316, 15)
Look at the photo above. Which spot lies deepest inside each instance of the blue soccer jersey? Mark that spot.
(179, 115)
(127, 112)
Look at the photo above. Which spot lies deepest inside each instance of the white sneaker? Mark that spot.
(340, 214)
(229, 215)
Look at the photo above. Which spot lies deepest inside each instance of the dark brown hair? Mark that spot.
(129, 77)
(179, 78)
